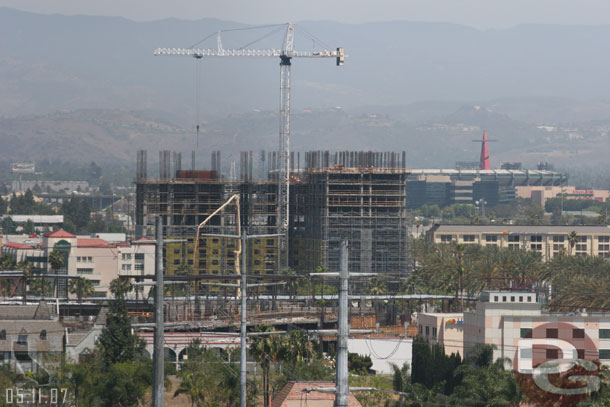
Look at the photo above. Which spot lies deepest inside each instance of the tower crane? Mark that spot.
(285, 54)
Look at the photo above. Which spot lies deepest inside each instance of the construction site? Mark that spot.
(354, 195)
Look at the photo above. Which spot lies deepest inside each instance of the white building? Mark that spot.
(383, 351)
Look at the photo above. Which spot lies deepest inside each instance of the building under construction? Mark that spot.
(360, 196)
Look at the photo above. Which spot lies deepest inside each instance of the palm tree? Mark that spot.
(572, 239)
(266, 349)
(459, 250)
(120, 287)
(57, 260)
(376, 287)
(26, 267)
(82, 287)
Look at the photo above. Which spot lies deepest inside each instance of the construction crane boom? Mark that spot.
(286, 53)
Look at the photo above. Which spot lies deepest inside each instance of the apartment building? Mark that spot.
(549, 241)
(91, 258)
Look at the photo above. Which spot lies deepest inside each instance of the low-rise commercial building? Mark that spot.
(446, 329)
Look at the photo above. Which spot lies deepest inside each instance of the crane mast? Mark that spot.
(286, 53)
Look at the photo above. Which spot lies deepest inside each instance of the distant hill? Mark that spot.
(54, 62)
(113, 136)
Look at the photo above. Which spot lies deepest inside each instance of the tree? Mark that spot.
(359, 364)
(40, 287)
(3, 206)
(117, 343)
(266, 349)
(572, 240)
(28, 227)
(9, 227)
(56, 260)
(208, 380)
(81, 287)
(120, 287)
(459, 250)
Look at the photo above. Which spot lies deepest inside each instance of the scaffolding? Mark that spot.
(354, 195)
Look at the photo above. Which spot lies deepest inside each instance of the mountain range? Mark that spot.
(88, 88)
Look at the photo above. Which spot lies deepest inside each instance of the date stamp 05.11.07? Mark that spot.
(35, 396)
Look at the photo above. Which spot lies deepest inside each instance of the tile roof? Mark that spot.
(60, 233)
(15, 245)
(92, 243)
(297, 391)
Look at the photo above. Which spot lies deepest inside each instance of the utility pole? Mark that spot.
(243, 355)
(341, 380)
(158, 393)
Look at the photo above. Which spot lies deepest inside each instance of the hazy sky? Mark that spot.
(476, 13)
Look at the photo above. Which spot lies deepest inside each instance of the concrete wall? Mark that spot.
(383, 351)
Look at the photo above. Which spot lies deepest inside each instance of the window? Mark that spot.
(604, 354)
(491, 238)
(215, 272)
(535, 238)
(176, 251)
(256, 251)
(434, 330)
(22, 339)
(558, 247)
(558, 238)
(603, 239)
(603, 247)
(176, 261)
(504, 298)
(214, 240)
(214, 251)
(215, 262)
(138, 267)
(552, 333)
(495, 298)
(446, 238)
(190, 251)
(89, 259)
(604, 334)
(581, 247)
(581, 239)
(468, 238)
(421, 329)
(520, 298)
(84, 271)
(127, 256)
(524, 332)
(552, 353)
(427, 331)
(513, 238)
(95, 282)
(139, 256)
(578, 333)
(43, 334)
(512, 298)
(536, 247)
(78, 259)
(269, 242)
(580, 353)
(190, 261)
(529, 298)
(3, 335)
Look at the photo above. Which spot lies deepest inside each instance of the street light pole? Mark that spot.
(243, 361)
(158, 395)
(342, 384)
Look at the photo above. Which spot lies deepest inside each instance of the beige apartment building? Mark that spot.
(91, 258)
(446, 329)
(549, 241)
